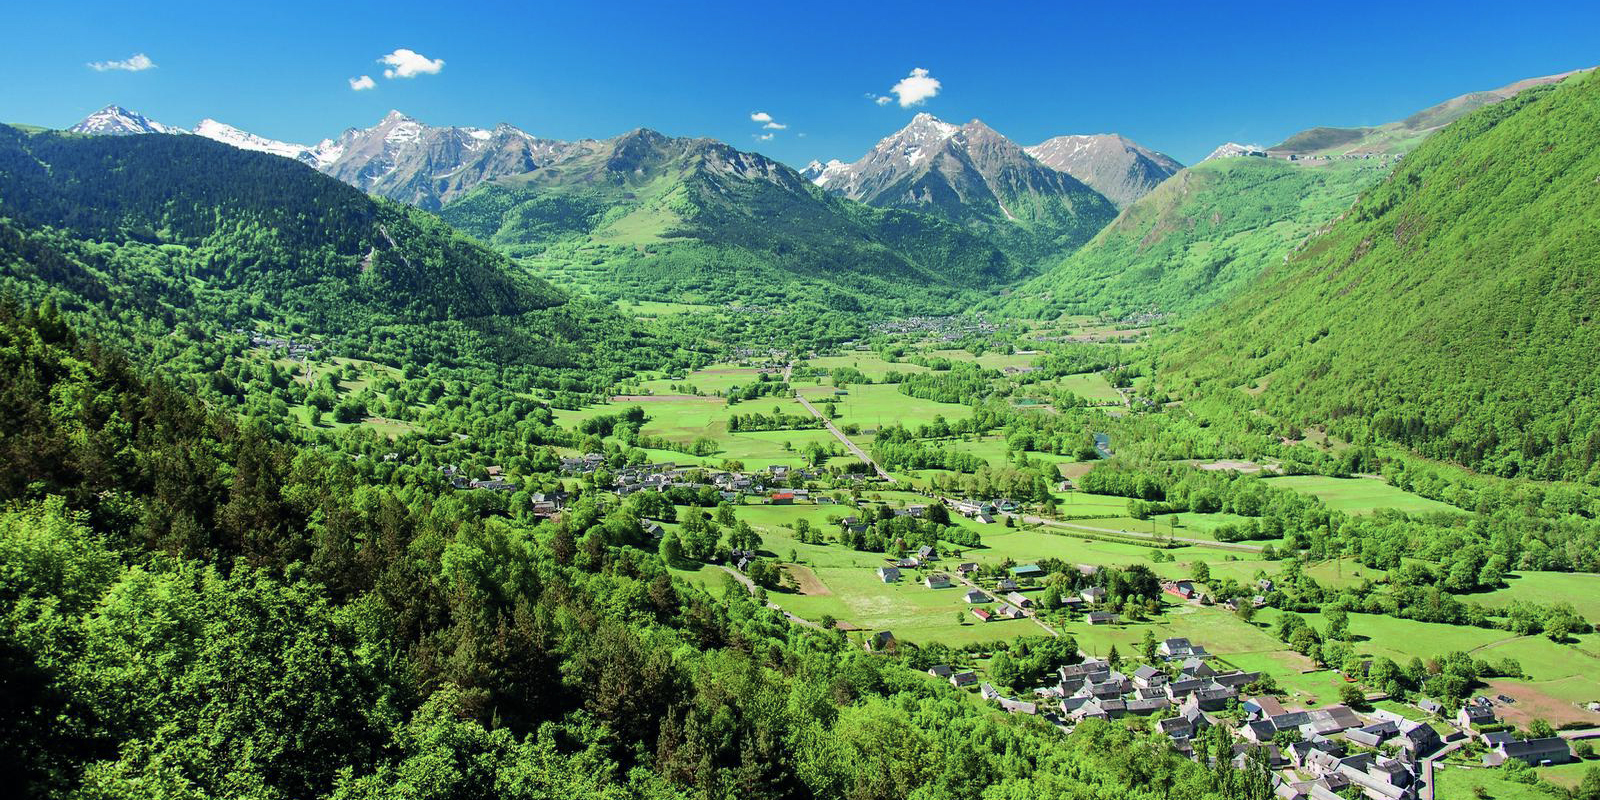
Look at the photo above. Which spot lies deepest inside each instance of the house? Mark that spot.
(983, 614)
(977, 596)
(985, 519)
(1430, 706)
(783, 499)
(925, 553)
(961, 679)
(987, 691)
(941, 671)
(1101, 618)
(1010, 611)
(1027, 571)
(1195, 668)
(1264, 706)
(1093, 594)
(966, 569)
(1476, 711)
(651, 529)
(888, 574)
(1258, 731)
(1183, 589)
(1176, 648)
(1006, 585)
(1375, 734)
(880, 641)
(1418, 737)
(1020, 600)
(938, 580)
(1148, 677)
(1018, 706)
(1533, 752)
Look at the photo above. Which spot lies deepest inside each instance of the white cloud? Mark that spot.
(914, 89)
(765, 137)
(362, 83)
(761, 116)
(883, 100)
(404, 63)
(138, 62)
(774, 126)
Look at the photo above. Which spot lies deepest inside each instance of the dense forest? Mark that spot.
(1450, 311)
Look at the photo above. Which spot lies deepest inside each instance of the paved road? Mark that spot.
(838, 434)
(751, 585)
(1055, 523)
(1585, 733)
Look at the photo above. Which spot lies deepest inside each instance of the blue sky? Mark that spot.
(1175, 76)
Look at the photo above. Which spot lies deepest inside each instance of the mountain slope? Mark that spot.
(1400, 136)
(649, 216)
(973, 176)
(1119, 168)
(1198, 237)
(1451, 310)
(180, 218)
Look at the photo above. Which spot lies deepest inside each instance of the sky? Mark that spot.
(801, 81)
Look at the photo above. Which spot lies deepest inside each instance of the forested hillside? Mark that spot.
(1452, 310)
(645, 216)
(1198, 237)
(259, 226)
(191, 609)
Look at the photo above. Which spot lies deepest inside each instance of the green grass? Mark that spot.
(1454, 782)
(869, 363)
(873, 406)
(1091, 386)
(1361, 495)
(1581, 589)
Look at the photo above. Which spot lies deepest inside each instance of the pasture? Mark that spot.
(1361, 495)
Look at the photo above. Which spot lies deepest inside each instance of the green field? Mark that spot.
(1455, 782)
(1361, 495)
(1091, 386)
(873, 406)
(1581, 589)
(869, 363)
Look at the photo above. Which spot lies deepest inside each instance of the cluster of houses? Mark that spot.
(1477, 717)
(297, 351)
(984, 511)
(660, 477)
(939, 329)
(1186, 590)
(1093, 690)
(496, 482)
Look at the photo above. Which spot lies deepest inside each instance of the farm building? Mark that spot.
(783, 499)
(1101, 618)
(937, 580)
(940, 671)
(1027, 571)
(880, 641)
(1020, 600)
(983, 614)
(888, 574)
(976, 596)
(1533, 752)
(1093, 594)
(961, 679)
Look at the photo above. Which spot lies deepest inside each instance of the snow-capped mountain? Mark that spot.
(114, 120)
(1231, 149)
(822, 174)
(227, 134)
(1119, 168)
(972, 175)
(403, 159)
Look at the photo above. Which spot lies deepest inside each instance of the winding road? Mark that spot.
(751, 585)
